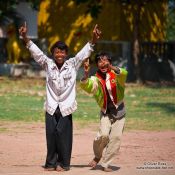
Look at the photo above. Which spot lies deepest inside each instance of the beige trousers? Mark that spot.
(107, 142)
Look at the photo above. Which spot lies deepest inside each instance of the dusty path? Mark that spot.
(23, 148)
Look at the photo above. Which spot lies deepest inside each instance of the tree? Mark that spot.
(8, 13)
(10, 20)
(171, 20)
(137, 6)
(94, 7)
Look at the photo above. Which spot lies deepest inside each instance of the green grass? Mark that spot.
(148, 108)
(20, 107)
(21, 99)
(151, 108)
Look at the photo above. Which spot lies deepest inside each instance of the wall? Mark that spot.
(64, 20)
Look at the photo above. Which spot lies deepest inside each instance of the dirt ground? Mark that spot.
(23, 150)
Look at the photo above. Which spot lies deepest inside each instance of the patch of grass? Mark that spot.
(3, 130)
(150, 108)
(20, 107)
(147, 108)
(20, 99)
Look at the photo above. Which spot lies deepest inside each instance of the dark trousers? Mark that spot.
(59, 136)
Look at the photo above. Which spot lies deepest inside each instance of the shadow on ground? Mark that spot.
(98, 167)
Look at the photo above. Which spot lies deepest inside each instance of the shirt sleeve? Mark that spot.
(122, 76)
(37, 54)
(84, 53)
(89, 85)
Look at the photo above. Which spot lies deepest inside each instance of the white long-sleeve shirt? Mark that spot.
(60, 83)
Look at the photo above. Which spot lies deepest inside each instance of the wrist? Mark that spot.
(86, 74)
(92, 43)
(26, 39)
(84, 78)
(117, 70)
(28, 44)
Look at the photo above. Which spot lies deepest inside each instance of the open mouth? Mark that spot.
(104, 68)
(59, 60)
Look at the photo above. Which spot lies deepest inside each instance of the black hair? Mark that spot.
(100, 55)
(60, 45)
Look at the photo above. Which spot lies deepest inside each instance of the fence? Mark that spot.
(157, 61)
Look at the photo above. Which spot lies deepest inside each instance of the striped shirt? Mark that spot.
(60, 83)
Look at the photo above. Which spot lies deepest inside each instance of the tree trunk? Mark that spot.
(136, 43)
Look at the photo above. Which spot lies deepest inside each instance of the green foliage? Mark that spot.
(94, 7)
(8, 12)
(34, 4)
(171, 21)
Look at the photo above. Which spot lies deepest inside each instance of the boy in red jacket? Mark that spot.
(107, 87)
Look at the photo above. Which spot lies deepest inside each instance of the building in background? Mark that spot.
(124, 23)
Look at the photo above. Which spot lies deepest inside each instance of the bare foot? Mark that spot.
(94, 162)
(60, 169)
(49, 169)
(107, 169)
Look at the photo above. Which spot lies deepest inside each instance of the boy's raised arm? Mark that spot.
(36, 53)
(86, 51)
(86, 68)
(96, 34)
(23, 33)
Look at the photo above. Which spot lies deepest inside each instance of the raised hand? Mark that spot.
(96, 34)
(23, 32)
(86, 66)
(114, 68)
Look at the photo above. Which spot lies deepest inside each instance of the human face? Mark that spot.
(103, 64)
(59, 56)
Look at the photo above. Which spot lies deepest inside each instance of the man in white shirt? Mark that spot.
(60, 96)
